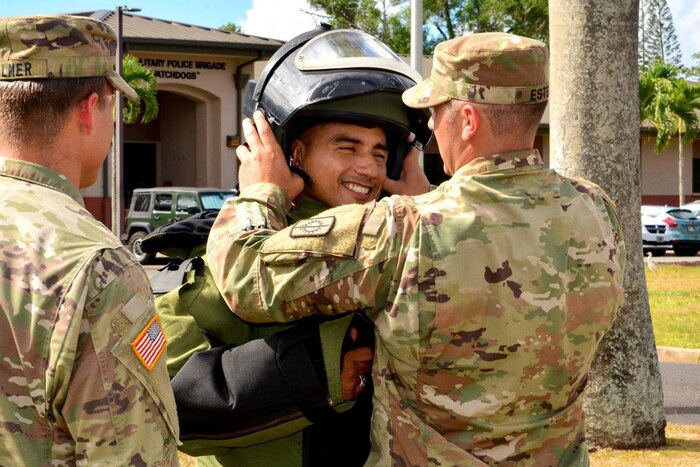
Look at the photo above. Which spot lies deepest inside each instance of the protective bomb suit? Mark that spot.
(280, 384)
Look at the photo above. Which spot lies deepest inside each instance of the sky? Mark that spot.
(284, 19)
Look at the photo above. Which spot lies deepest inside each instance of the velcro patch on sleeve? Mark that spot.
(373, 224)
(315, 227)
(150, 343)
(134, 308)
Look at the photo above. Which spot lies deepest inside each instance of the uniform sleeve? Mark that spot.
(238, 384)
(236, 396)
(108, 383)
(341, 260)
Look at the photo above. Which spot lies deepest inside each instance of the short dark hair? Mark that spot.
(36, 110)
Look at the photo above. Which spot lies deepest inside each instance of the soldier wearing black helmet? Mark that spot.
(248, 395)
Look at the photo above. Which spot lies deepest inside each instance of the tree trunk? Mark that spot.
(681, 161)
(594, 115)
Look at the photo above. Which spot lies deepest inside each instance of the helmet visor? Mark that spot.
(350, 49)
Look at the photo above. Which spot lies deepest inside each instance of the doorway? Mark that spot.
(139, 167)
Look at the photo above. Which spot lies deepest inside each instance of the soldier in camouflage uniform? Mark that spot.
(489, 294)
(82, 371)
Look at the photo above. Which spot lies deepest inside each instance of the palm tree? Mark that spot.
(672, 105)
(142, 80)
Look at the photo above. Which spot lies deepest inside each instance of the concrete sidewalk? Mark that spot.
(677, 355)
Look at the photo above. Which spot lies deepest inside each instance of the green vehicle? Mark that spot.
(151, 208)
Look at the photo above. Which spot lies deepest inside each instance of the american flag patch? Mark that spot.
(150, 343)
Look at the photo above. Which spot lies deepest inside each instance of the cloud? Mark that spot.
(278, 19)
(686, 19)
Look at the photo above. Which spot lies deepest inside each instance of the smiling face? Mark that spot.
(346, 163)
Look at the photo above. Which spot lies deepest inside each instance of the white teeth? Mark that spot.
(357, 188)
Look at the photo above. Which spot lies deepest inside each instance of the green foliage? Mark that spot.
(231, 27)
(669, 102)
(693, 72)
(528, 18)
(386, 20)
(389, 20)
(657, 34)
(142, 80)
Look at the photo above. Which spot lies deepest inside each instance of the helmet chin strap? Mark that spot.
(304, 176)
(295, 164)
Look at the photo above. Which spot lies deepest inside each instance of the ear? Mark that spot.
(86, 112)
(297, 153)
(470, 121)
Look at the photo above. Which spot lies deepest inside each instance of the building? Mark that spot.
(202, 75)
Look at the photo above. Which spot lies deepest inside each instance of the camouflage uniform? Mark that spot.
(74, 389)
(489, 294)
(82, 367)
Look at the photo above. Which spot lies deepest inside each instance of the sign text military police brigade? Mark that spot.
(185, 69)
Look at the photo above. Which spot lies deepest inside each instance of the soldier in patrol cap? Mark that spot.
(489, 294)
(82, 365)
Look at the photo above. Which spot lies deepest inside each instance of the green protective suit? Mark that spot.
(282, 382)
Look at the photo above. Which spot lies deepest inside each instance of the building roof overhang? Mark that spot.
(143, 33)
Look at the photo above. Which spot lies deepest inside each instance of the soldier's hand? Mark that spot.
(357, 364)
(412, 181)
(262, 159)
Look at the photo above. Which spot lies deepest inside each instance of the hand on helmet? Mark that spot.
(412, 181)
(262, 159)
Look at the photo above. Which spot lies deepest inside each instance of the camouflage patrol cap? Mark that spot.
(489, 68)
(59, 46)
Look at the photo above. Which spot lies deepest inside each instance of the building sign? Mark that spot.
(179, 68)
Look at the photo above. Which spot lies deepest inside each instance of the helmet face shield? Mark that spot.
(339, 75)
(350, 49)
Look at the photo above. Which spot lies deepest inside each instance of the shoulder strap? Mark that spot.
(173, 275)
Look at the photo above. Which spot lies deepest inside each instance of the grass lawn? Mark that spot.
(682, 450)
(674, 299)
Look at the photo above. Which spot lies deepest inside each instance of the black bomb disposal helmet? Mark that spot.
(341, 75)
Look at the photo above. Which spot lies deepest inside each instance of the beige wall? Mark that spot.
(660, 171)
(177, 163)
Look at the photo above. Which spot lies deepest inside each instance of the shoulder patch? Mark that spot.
(314, 227)
(150, 343)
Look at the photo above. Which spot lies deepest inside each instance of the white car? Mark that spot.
(656, 237)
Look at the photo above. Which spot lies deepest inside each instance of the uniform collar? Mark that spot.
(39, 175)
(306, 207)
(502, 162)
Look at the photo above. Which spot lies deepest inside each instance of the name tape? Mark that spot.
(17, 69)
